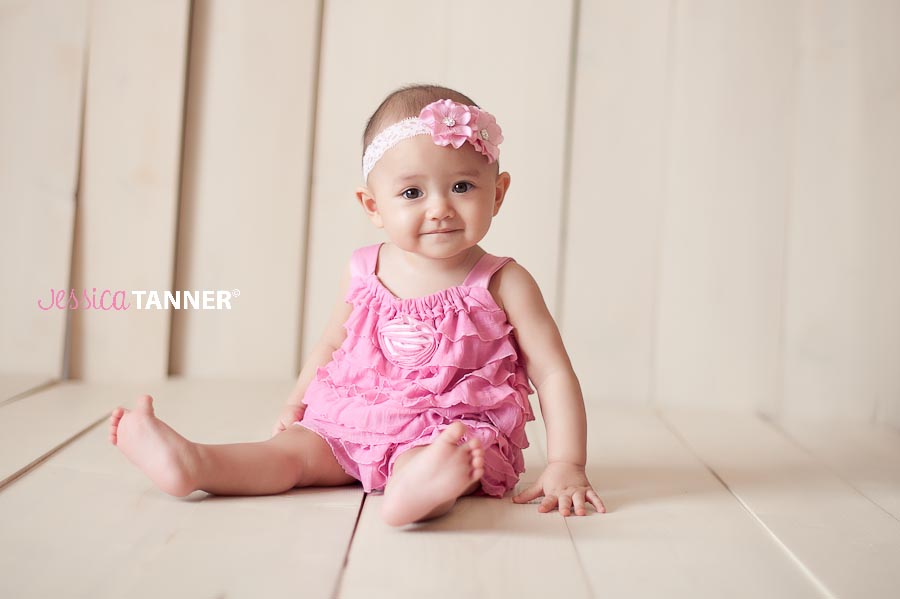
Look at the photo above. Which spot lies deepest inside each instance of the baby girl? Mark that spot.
(419, 385)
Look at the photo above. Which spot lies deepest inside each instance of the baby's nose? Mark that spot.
(439, 207)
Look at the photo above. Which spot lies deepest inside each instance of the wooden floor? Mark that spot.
(700, 505)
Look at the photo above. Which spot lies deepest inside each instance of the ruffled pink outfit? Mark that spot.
(411, 367)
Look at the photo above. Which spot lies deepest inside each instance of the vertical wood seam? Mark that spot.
(568, 142)
(781, 375)
(68, 338)
(310, 177)
(664, 163)
(179, 193)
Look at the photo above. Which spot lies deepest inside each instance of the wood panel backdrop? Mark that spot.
(707, 192)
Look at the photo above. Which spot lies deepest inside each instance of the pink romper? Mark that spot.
(411, 367)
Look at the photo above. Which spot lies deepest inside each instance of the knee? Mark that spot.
(289, 459)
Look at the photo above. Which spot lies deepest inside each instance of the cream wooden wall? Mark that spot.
(245, 185)
(40, 130)
(707, 191)
(128, 193)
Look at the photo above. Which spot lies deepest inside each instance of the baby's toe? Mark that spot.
(477, 461)
(145, 404)
(453, 433)
(115, 419)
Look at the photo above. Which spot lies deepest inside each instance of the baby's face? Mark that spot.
(420, 187)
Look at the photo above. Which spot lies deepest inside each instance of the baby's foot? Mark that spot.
(435, 475)
(161, 453)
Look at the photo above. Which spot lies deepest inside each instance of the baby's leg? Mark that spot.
(426, 481)
(294, 458)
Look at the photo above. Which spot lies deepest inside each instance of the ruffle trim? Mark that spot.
(377, 383)
(467, 353)
(466, 335)
(365, 319)
(369, 291)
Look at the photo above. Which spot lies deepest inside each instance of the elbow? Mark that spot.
(550, 374)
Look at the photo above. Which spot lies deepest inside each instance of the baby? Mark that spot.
(419, 385)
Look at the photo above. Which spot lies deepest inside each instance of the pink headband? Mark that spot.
(449, 123)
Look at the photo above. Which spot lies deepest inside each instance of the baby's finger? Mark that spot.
(525, 496)
(548, 503)
(565, 505)
(595, 500)
(578, 499)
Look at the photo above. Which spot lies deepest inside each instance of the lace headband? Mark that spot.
(449, 123)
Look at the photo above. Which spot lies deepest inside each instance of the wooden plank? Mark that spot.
(837, 535)
(42, 50)
(841, 318)
(615, 201)
(671, 529)
(130, 539)
(52, 418)
(15, 385)
(866, 456)
(127, 204)
(720, 287)
(504, 549)
(879, 47)
(56, 415)
(248, 138)
(534, 52)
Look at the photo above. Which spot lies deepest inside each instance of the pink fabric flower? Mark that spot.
(407, 342)
(449, 122)
(486, 135)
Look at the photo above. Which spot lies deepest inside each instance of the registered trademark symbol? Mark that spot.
(235, 292)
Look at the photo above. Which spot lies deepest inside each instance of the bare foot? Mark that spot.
(435, 475)
(151, 445)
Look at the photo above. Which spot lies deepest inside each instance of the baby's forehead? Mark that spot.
(421, 151)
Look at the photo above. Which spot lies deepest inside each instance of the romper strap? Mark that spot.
(363, 260)
(484, 269)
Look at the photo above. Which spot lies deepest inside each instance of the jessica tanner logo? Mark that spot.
(107, 299)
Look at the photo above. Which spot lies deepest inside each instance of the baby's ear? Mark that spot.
(367, 201)
(502, 186)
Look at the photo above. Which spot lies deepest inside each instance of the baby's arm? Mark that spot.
(332, 338)
(559, 393)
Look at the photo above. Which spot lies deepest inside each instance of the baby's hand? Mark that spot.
(290, 414)
(562, 483)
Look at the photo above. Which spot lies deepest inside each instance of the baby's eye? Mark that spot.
(412, 194)
(461, 187)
